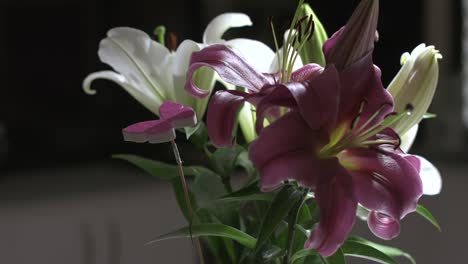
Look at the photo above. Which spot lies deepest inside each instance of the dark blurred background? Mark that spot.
(64, 200)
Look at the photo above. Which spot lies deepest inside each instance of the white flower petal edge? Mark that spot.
(220, 24)
(408, 138)
(147, 99)
(430, 176)
(255, 52)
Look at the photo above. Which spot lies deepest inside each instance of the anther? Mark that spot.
(310, 27)
(172, 41)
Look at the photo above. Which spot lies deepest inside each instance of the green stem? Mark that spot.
(292, 220)
(187, 197)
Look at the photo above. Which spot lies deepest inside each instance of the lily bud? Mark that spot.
(356, 39)
(312, 50)
(415, 84)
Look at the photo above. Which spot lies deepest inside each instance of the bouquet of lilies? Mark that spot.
(321, 143)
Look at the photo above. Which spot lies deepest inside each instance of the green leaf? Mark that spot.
(283, 202)
(218, 230)
(421, 210)
(389, 251)
(362, 250)
(337, 258)
(249, 193)
(271, 253)
(198, 135)
(244, 162)
(180, 197)
(315, 258)
(224, 160)
(302, 254)
(155, 168)
(207, 187)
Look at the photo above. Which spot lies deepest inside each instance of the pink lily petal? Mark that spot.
(337, 210)
(154, 131)
(229, 65)
(268, 105)
(386, 182)
(178, 115)
(318, 99)
(173, 115)
(221, 116)
(284, 151)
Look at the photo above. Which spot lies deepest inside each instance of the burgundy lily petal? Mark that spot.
(221, 116)
(268, 105)
(178, 115)
(337, 209)
(284, 150)
(356, 39)
(306, 72)
(318, 98)
(154, 131)
(361, 83)
(385, 182)
(229, 65)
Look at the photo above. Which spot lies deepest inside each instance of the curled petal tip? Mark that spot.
(383, 226)
(220, 24)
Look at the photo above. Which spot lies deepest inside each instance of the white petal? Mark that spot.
(146, 98)
(136, 56)
(180, 66)
(182, 56)
(255, 52)
(430, 176)
(408, 138)
(279, 56)
(220, 24)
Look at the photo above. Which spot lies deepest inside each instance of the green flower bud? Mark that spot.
(415, 85)
(312, 50)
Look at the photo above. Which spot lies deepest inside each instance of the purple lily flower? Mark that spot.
(336, 138)
(265, 91)
(344, 149)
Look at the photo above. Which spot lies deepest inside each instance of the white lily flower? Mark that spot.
(152, 74)
(415, 84)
